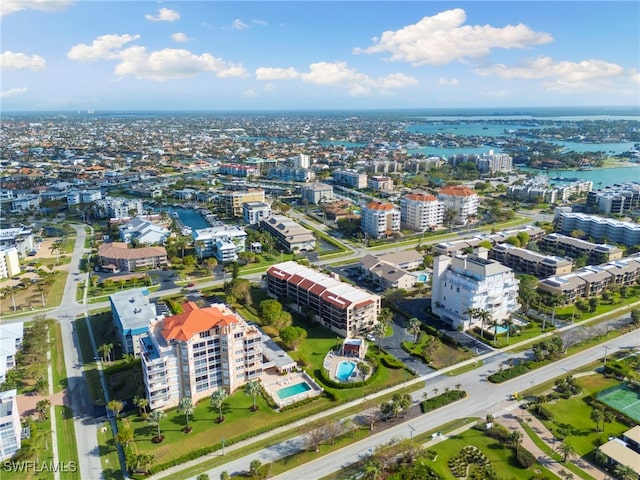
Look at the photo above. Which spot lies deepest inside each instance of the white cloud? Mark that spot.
(13, 92)
(250, 93)
(171, 63)
(18, 61)
(12, 6)
(448, 81)
(164, 15)
(266, 73)
(444, 38)
(238, 24)
(562, 75)
(340, 75)
(262, 23)
(105, 47)
(179, 37)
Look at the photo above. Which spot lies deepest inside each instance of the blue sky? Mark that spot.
(209, 55)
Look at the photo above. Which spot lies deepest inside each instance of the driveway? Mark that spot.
(418, 308)
(393, 345)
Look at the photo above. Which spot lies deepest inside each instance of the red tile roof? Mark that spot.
(420, 197)
(194, 320)
(380, 206)
(457, 191)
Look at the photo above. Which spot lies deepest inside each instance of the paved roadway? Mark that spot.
(483, 398)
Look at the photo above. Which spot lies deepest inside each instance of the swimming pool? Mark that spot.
(344, 371)
(422, 278)
(292, 390)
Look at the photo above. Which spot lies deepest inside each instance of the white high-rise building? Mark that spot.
(10, 427)
(380, 220)
(421, 212)
(465, 282)
(9, 261)
(302, 161)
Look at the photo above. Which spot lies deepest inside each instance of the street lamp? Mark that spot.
(606, 349)
(411, 430)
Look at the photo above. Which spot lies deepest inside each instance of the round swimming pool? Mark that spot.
(344, 370)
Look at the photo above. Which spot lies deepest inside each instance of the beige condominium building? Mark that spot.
(232, 201)
(347, 310)
(197, 352)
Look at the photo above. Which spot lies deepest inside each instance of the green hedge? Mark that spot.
(525, 458)
(509, 373)
(322, 375)
(442, 400)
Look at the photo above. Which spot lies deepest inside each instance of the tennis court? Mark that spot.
(622, 399)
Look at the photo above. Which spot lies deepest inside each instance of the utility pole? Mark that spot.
(411, 430)
(606, 349)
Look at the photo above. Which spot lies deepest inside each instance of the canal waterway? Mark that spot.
(601, 177)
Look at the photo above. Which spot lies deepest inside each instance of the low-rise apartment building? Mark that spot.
(221, 241)
(289, 235)
(118, 207)
(530, 262)
(381, 183)
(451, 248)
(10, 426)
(465, 282)
(346, 310)
(600, 228)
(595, 253)
(9, 261)
(350, 178)
(19, 237)
(592, 280)
(392, 270)
(143, 232)
(238, 170)
(317, 192)
(195, 353)
(125, 259)
(232, 201)
(617, 199)
(254, 212)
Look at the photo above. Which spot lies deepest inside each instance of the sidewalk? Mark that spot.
(513, 423)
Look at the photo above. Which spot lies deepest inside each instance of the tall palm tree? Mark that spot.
(155, 418)
(508, 323)
(414, 328)
(495, 324)
(252, 388)
(566, 450)
(485, 318)
(379, 331)
(141, 402)
(187, 408)
(217, 400)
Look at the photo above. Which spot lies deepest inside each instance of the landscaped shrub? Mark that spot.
(616, 368)
(442, 400)
(499, 432)
(391, 362)
(509, 373)
(525, 458)
(174, 305)
(545, 413)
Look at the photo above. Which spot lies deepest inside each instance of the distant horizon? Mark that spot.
(592, 110)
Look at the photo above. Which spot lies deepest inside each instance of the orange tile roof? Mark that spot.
(457, 191)
(194, 320)
(421, 197)
(380, 206)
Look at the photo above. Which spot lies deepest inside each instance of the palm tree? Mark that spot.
(252, 388)
(105, 351)
(414, 328)
(372, 470)
(485, 318)
(379, 331)
(597, 415)
(625, 472)
(187, 408)
(472, 313)
(115, 406)
(508, 323)
(155, 418)
(495, 324)
(42, 408)
(11, 291)
(217, 400)
(566, 450)
(141, 402)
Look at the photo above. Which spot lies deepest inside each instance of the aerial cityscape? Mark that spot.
(319, 240)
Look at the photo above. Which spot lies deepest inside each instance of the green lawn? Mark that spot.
(502, 458)
(91, 375)
(57, 359)
(573, 415)
(67, 447)
(108, 453)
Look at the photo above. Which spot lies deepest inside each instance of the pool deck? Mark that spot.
(332, 360)
(272, 381)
